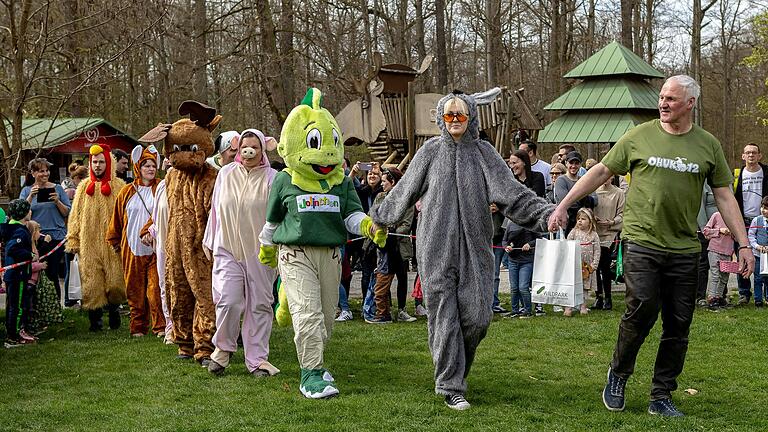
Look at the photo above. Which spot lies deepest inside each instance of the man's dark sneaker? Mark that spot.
(598, 303)
(608, 305)
(539, 311)
(499, 309)
(714, 304)
(512, 314)
(379, 320)
(759, 304)
(743, 300)
(457, 402)
(665, 408)
(525, 315)
(205, 362)
(613, 393)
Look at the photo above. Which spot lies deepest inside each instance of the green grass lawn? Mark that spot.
(541, 374)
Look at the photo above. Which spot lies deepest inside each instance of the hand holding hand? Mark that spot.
(147, 239)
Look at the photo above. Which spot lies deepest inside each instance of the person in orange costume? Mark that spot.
(133, 209)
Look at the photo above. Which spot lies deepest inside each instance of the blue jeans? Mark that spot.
(520, 275)
(761, 282)
(498, 255)
(343, 303)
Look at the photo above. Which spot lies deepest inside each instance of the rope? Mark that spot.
(13, 266)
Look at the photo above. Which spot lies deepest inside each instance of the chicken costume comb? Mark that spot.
(95, 150)
(311, 145)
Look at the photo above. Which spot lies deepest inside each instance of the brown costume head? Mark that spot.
(187, 141)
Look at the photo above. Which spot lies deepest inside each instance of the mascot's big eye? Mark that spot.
(314, 139)
(194, 147)
(176, 148)
(335, 138)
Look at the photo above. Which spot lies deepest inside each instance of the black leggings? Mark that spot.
(53, 260)
(401, 273)
(604, 273)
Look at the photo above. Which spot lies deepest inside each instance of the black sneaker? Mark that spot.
(539, 311)
(598, 303)
(513, 314)
(613, 393)
(664, 408)
(457, 402)
(608, 305)
(758, 304)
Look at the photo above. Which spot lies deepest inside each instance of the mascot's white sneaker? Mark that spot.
(315, 386)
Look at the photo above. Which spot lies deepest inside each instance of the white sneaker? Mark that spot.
(421, 310)
(345, 315)
(557, 308)
(404, 317)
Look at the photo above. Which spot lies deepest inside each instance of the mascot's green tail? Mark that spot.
(282, 315)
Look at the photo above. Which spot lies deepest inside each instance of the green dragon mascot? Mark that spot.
(311, 207)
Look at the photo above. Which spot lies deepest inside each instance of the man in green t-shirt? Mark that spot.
(669, 160)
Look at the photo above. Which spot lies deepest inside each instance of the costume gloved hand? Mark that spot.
(379, 236)
(268, 255)
(282, 314)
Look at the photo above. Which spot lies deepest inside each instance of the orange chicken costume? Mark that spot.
(101, 274)
(189, 186)
(133, 209)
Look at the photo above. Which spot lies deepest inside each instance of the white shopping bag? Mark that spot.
(763, 263)
(74, 290)
(557, 272)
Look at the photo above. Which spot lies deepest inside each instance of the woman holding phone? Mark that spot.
(50, 207)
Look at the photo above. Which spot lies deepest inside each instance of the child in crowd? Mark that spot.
(518, 242)
(18, 250)
(758, 240)
(720, 249)
(46, 308)
(585, 232)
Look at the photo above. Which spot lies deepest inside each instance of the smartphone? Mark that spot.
(44, 194)
(365, 166)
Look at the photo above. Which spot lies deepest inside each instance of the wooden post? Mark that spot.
(410, 119)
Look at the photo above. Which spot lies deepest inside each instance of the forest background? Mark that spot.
(132, 62)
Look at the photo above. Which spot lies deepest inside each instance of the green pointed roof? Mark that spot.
(606, 94)
(592, 127)
(613, 59)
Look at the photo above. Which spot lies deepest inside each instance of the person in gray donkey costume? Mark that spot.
(457, 176)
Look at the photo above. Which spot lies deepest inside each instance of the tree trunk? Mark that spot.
(627, 7)
(200, 23)
(73, 58)
(287, 63)
(492, 41)
(442, 55)
(272, 84)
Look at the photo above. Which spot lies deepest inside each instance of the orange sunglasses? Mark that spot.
(451, 117)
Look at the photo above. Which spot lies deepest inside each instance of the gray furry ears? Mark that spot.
(201, 114)
(158, 133)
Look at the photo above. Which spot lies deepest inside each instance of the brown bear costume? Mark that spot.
(188, 143)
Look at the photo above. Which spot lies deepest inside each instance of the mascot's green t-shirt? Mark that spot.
(310, 219)
(668, 173)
